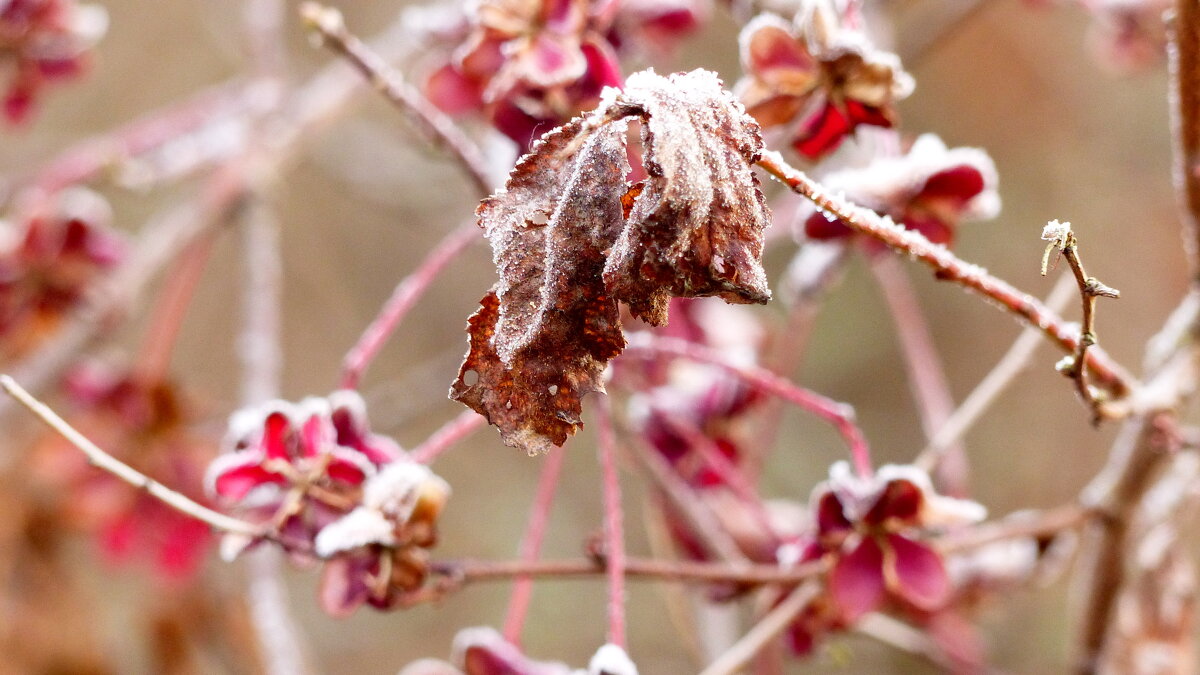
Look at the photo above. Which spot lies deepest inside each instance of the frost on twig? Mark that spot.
(572, 235)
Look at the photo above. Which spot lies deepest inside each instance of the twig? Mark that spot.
(445, 437)
(614, 535)
(950, 267)
(1043, 524)
(771, 625)
(435, 124)
(171, 308)
(1140, 447)
(106, 462)
(1063, 239)
(993, 384)
(531, 543)
(926, 376)
(899, 635)
(1184, 57)
(407, 292)
(683, 571)
(840, 415)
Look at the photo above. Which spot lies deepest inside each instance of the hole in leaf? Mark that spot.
(470, 378)
(553, 389)
(538, 219)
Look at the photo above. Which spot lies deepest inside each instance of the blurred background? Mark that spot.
(1071, 140)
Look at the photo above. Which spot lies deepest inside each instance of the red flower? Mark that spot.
(819, 75)
(929, 189)
(872, 530)
(144, 424)
(47, 263)
(300, 466)
(41, 41)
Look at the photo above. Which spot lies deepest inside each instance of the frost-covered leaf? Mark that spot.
(572, 236)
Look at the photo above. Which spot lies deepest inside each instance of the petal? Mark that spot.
(916, 573)
(959, 183)
(233, 475)
(901, 501)
(822, 227)
(856, 582)
(773, 55)
(343, 585)
(822, 133)
(276, 428)
(452, 91)
(831, 517)
(347, 465)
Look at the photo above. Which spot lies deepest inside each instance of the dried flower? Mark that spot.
(819, 74)
(929, 189)
(42, 41)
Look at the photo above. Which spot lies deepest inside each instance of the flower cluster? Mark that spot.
(698, 418)
(483, 651)
(48, 259)
(147, 424)
(818, 76)
(530, 65)
(42, 41)
(929, 189)
(328, 487)
(871, 531)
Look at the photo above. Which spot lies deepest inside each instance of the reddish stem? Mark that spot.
(406, 295)
(450, 433)
(950, 267)
(840, 415)
(171, 309)
(531, 544)
(614, 536)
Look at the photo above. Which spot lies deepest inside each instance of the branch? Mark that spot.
(949, 267)
(447, 435)
(407, 292)
(1063, 239)
(771, 625)
(1184, 58)
(840, 415)
(435, 124)
(683, 571)
(106, 462)
(614, 532)
(531, 543)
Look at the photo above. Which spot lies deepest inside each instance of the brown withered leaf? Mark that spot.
(696, 227)
(571, 236)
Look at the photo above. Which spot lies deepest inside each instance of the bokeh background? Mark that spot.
(1071, 140)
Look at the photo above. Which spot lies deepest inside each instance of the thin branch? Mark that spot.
(770, 626)
(435, 124)
(445, 437)
(1090, 288)
(840, 415)
(683, 571)
(993, 384)
(106, 462)
(950, 267)
(926, 375)
(614, 534)
(531, 543)
(171, 309)
(406, 295)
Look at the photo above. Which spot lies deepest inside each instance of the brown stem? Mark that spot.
(435, 124)
(949, 267)
(682, 571)
(1184, 53)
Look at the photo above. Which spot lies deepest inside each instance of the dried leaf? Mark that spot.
(572, 236)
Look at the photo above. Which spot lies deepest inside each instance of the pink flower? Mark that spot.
(48, 261)
(929, 189)
(873, 532)
(301, 466)
(820, 75)
(41, 41)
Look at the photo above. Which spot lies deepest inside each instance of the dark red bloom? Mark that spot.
(48, 260)
(42, 41)
(819, 76)
(873, 530)
(930, 189)
(146, 425)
